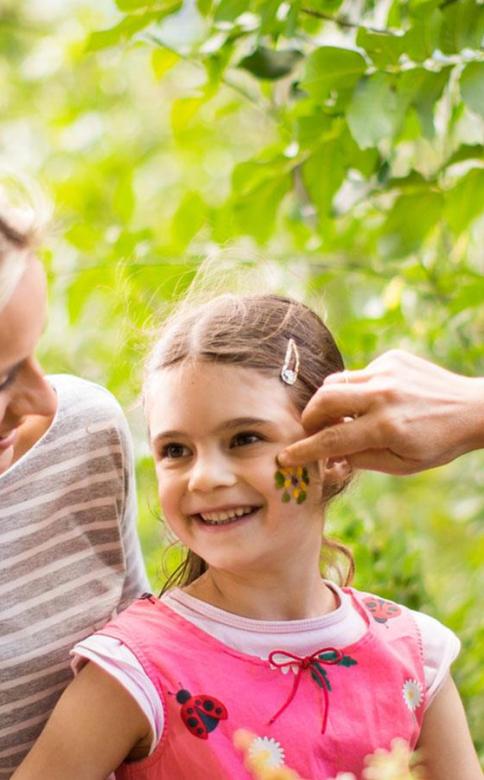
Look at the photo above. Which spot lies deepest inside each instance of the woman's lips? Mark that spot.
(8, 439)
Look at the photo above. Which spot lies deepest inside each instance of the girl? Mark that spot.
(251, 636)
(69, 554)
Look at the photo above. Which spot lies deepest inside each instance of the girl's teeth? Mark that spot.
(221, 517)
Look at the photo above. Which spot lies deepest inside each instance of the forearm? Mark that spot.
(472, 435)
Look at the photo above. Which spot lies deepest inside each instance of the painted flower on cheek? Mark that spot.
(293, 481)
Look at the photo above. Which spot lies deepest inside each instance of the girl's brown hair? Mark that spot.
(253, 331)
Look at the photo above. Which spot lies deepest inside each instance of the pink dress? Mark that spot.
(318, 715)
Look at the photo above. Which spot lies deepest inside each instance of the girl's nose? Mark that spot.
(33, 394)
(209, 473)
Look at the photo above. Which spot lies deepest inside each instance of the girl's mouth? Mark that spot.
(226, 517)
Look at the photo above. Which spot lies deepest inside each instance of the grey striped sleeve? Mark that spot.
(69, 554)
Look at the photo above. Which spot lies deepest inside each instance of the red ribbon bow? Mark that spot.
(311, 662)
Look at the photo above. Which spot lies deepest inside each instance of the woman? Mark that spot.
(69, 553)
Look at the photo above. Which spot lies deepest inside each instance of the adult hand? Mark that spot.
(400, 415)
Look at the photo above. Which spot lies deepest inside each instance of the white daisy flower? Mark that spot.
(412, 694)
(270, 748)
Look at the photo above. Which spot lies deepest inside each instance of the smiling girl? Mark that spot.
(250, 635)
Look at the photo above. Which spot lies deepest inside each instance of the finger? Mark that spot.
(341, 440)
(384, 461)
(330, 404)
(348, 377)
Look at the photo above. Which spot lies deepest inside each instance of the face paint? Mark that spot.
(293, 481)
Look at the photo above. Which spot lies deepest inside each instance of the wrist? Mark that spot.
(473, 430)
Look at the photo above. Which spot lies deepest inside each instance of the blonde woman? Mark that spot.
(69, 554)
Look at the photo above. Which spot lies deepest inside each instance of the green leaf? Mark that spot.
(269, 63)
(383, 48)
(183, 111)
(330, 655)
(463, 26)
(229, 10)
(464, 202)
(123, 200)
(409, 221)
(323, 175)
(135, 5)
(189, 218)
(422, 39)
(255, 212)
(466, 152)
(347, 660)
(162, 60)
(422, 89)
(472, 86)
(331, 68)
(375, 112)
(279, 479)
(130, 25)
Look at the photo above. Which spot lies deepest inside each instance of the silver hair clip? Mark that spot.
(290, 368)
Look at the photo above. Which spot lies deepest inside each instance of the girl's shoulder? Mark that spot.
(440, 645)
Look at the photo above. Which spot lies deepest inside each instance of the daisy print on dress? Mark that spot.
(412, 694)
(294, 482)
(268, 747)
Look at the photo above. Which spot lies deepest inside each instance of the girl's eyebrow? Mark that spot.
(237, 422)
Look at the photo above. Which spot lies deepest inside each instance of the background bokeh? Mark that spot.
(340, 142)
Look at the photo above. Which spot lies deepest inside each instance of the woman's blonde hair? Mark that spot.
(24, 213)
(252, 331)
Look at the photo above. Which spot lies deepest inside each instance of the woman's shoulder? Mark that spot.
(81, 401)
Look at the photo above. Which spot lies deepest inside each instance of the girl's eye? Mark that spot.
(242, 439)
(174, 451)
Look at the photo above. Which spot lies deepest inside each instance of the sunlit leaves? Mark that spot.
(258, 190)
(331, 69)
(132, 24)
(384, 48)
(270, 64)
(162, 60)
(472, 86)
(409, 221)
(464, 202)
(376, 111)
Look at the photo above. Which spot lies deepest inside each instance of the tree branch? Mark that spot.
(345, 23)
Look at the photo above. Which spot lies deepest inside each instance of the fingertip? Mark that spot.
(282, 460)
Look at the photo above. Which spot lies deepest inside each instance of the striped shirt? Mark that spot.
(69, 554)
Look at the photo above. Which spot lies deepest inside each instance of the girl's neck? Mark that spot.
(269, 597)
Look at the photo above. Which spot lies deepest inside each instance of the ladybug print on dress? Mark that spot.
(381, 609)
(200, 714)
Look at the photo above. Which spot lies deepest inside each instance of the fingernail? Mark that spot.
(282, 460)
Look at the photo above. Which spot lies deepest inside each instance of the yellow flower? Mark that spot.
(395, 764)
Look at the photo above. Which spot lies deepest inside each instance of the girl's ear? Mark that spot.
(335, 473)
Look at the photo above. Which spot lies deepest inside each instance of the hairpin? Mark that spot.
(290, 368)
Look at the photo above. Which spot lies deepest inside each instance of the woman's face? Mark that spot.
(24, 391)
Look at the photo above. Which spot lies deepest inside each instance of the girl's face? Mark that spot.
(23, 388)
(215, 432)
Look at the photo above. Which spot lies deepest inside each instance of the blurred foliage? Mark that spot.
(341, 140)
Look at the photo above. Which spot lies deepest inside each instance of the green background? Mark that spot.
(338, 152)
